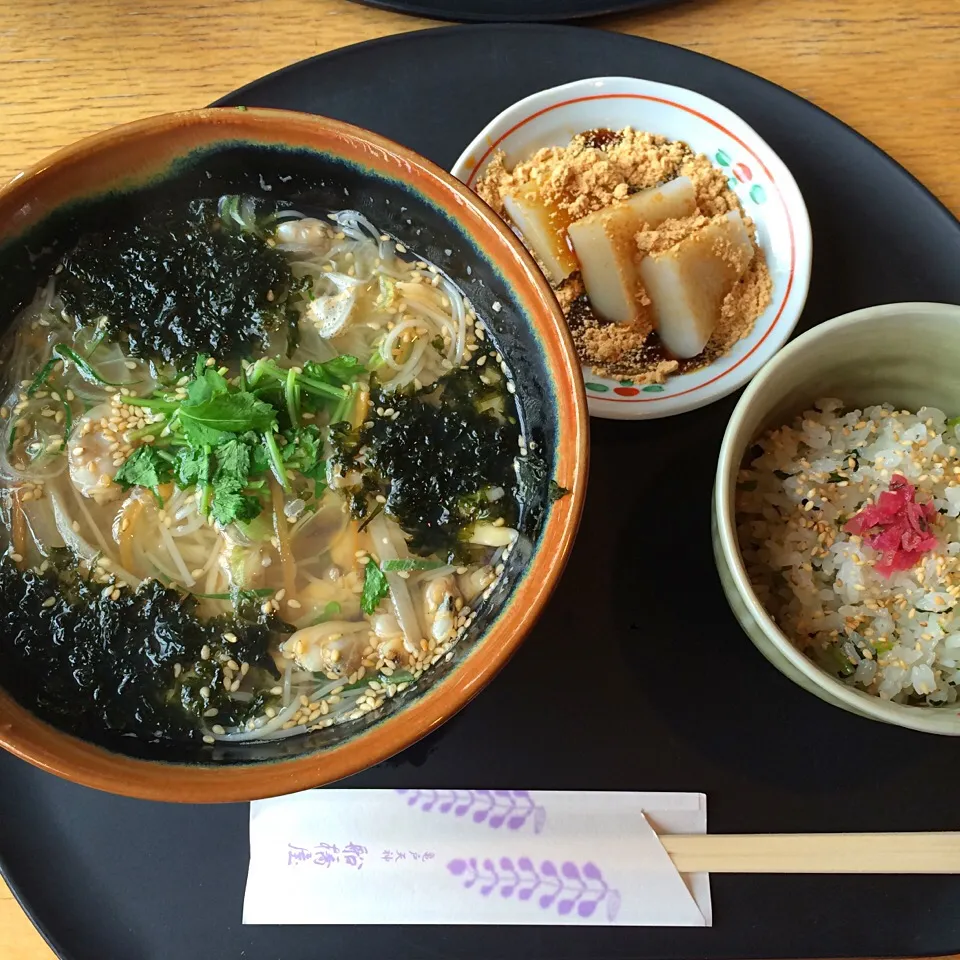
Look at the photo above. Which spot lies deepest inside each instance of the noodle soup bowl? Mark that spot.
(316, 164)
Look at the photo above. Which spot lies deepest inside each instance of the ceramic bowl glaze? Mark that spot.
(906, 354)
(765, 187)
(320, 164)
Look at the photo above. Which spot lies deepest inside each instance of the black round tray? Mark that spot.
(675, 695)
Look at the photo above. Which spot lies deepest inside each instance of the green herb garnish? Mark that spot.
(144, 468)
(276, 460)
(230, 503)
(43, 374)
(331, 610)
(411, 565)
(375, 588)
(64, 353)
(211, 420)
(231, 596)
(342, 369)
(224, 437)
(67, 424)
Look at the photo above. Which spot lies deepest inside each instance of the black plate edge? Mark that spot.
(59, 952)
(451, 16)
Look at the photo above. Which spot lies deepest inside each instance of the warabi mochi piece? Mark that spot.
(544, 228)
(604, 245)
(687, 283)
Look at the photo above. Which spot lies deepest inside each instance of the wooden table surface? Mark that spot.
(67, 69)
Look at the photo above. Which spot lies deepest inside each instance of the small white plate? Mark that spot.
(767, 191)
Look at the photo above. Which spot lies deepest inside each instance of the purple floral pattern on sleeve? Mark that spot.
(575, 891)
(513, 809)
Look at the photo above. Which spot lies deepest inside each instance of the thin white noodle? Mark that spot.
(182, 512)
(398, 270)
(212, 559)
(171, 546)
(459, 316)
(259, 735)
(194, 552)
(390, 342)
(192, 526)
(213, 575)
(350, 221)
(427, 575)
(289, 215)
(326, 689)
(47, 295)
(426, 299)
(241, 734)
(155, 561)
(96, 530)
(425, 310)
(410, 369)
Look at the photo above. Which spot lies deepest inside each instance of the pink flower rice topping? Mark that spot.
(900, 527)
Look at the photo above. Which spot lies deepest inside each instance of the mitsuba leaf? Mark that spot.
(144, 468)
(234, 460)
(375, 588)
(208, 384)
(230, 503)
(192, 467)
(340, 369)
(212, 420)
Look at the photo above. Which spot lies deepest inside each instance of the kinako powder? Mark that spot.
(598, 169)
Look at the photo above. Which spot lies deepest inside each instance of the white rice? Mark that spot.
(898, 637)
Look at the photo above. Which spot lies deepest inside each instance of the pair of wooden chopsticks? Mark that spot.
(815, 852)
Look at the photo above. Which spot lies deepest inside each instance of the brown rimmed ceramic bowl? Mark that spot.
(320, 164)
